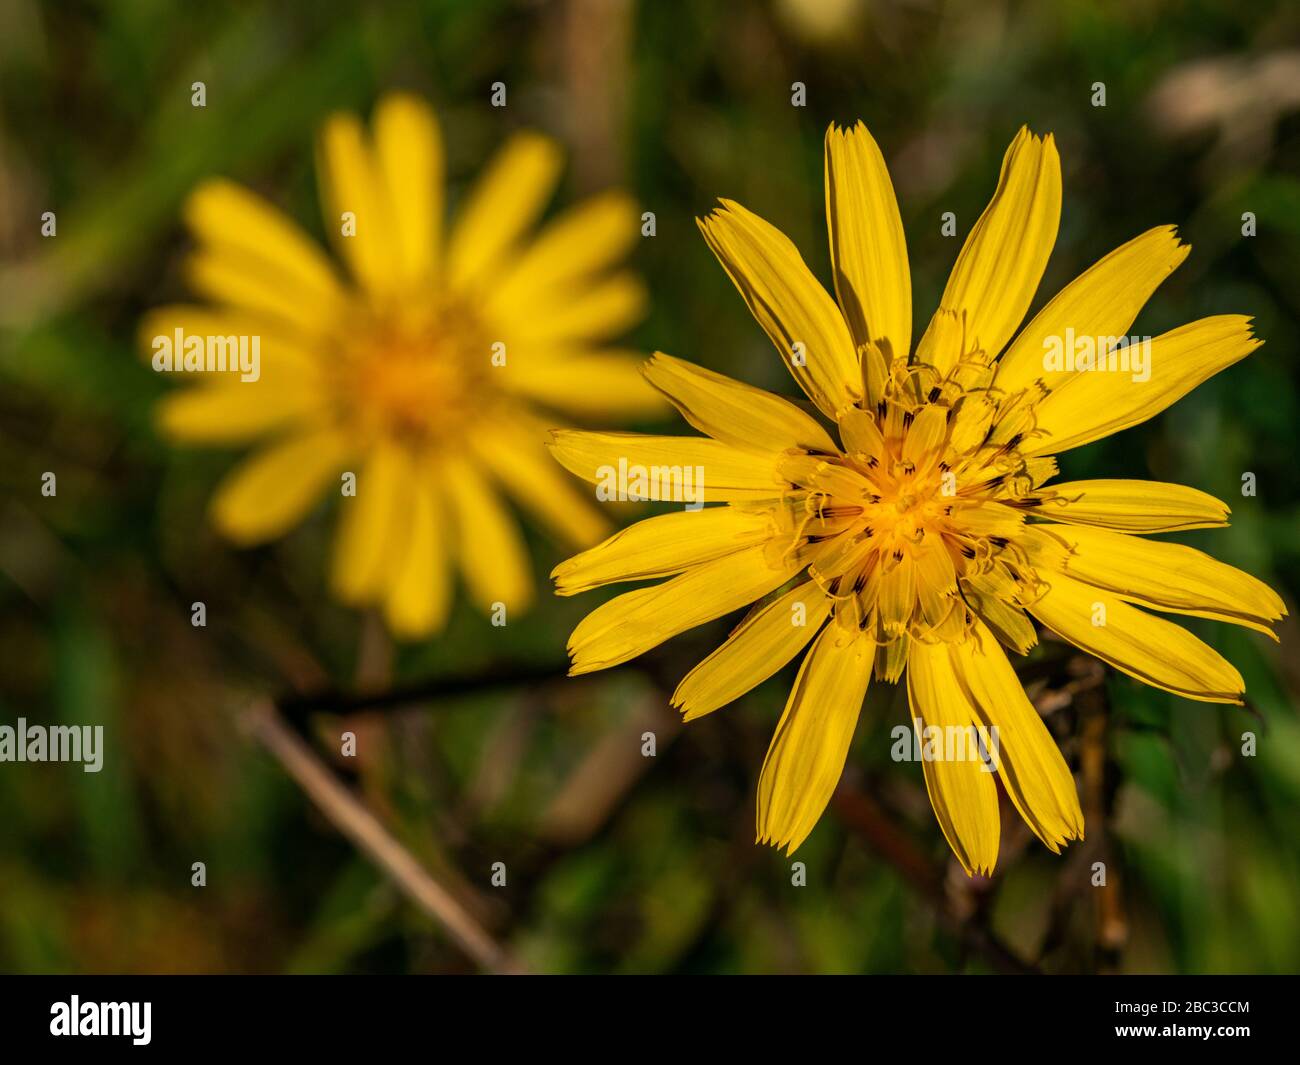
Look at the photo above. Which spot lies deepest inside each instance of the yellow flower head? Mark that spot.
(926, 536)
(420, 374)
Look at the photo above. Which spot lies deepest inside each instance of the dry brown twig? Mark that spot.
(263, 723)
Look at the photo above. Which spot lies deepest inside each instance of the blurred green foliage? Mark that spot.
(615, 864)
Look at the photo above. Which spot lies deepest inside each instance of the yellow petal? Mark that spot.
(581, 242)
(272, 491)
(1102, 302)
(663, 545)
(712, 471)
(876, 370)
(944, 342)
(352, 184)
(868, 250)
(242, 230)
(1032, 769)
(1151, 649)
(514, 451)
(789, 303)
(757, 648)
(373, 526)
(936, 581)
(734, 412)
(807, 754)
(971, 422)
(489, 547)
(991, 602)
(634, 622)
(1003, 259)
(1097, 403)
(232, 412)
(961, 790)
(989, 518)
(897, 597)
(1161, 575)
(504, 203)
(927, 432)
(861, 435)
(1133, 506)
(408, 147)
(226, 278)
(591, 313)
(419, 593)
(891, 659)
(587, 384)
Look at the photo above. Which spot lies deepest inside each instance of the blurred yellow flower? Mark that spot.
(422, 373)
(926, 537)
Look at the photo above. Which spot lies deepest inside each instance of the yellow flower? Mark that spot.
(926, 537)
(420, 374)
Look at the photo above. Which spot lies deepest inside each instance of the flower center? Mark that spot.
(922, 510)
(417, 379)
